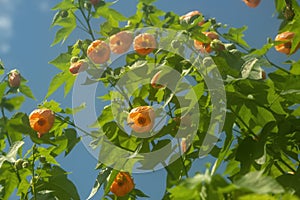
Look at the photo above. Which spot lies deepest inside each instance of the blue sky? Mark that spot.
(25, 39)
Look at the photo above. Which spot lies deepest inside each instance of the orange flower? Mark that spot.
(78, 66)
(120, 42)
(144, 44)
(141, 119)
(14, 78)
(41, 120)
(188, 16)
(98, 52)
(285, 47)
(122, 185)
(206, 46)
(252, 3)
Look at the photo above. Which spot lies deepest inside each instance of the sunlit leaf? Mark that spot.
(24, 89)
(57, 81)
(256, 182)
(64, 5)
(101, 178)
(236, 35)
(58, 182)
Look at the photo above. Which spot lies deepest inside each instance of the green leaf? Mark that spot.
(105, 116)
(68, 24)
(111, 179)
(57, 81)
(257, 196)
(257, 183)
(58, 182)
(62, 34)
(236, 35)
(176, 170)
(62, 61)
(138, 193)
(65, 140)
(64, 5)
(76, 109)
(52, 105)
(189, 188)
(3, 86)
(295, 67)
(101, 178)
(110, 14)
(69, 85)
(229, 62)
(290, 181)
(24, 89)
(72, 138)
(24, 184)
(262, 51)
(8, 179)
(13, 103)
(279, 5)
(46, 152)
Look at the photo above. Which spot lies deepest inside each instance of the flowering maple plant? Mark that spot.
(171, 89)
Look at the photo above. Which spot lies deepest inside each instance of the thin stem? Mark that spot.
(33, 172)
(5, 122)
(84, 28)
(122, 93)
(87, 20)
(170, 110)
(276, 66)
(72, 124)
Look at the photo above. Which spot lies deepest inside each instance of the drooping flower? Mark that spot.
(122, 185)
(41, 120)
(144, 44)
(141, 119)
(98, 52)
(120, 42)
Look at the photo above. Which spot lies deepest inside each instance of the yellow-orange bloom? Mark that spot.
(122, 185)
(252, 3)
(285, 47)
(144, 44)
(98, 52)
(141, 119)
(206, 46)
(41, 120)
(120, 42)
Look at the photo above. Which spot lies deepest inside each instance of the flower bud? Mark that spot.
(14, 78)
